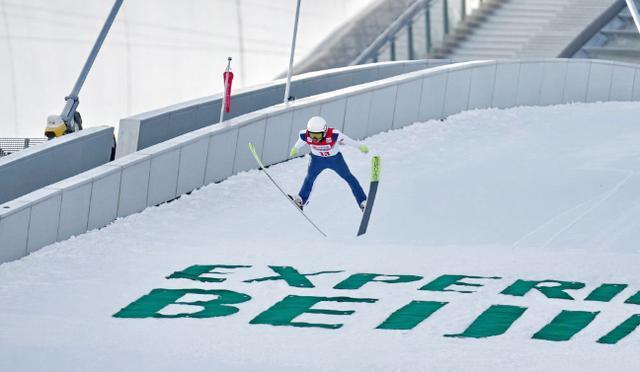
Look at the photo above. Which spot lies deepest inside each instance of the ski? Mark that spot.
(373, 189)
(263, 168)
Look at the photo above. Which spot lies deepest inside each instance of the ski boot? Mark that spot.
(297, 201)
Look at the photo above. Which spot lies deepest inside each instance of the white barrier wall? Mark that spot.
(164, 171)
(38, 166)
(141, 131)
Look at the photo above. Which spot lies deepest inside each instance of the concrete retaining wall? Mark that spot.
(141, 131)
(55, 160)
(162, 172)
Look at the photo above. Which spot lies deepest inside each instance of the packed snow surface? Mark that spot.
(522, 194)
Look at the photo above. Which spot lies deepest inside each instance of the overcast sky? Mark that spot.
(159, 52)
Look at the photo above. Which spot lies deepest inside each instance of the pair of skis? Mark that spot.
(373, 189)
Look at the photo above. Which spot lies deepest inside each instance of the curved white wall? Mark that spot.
(162, 172)
(147, 129)
(158, 53)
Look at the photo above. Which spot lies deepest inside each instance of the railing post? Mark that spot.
(393, 49)
(463, 10)
(410, 40)
(291, 55)
(427, 25)
(72, 99)
(445, 16)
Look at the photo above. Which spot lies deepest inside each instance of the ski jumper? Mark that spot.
(325, 154)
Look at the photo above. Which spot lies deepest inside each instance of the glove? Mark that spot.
(364, 149)
(293, 153)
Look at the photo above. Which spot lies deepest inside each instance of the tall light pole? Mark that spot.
(293, 49)
(240, 40)
(72, 99)
(12, 66)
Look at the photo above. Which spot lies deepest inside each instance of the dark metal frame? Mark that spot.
(406, 21)
(590, 31)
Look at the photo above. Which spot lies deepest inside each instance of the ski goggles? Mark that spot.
(316, 135)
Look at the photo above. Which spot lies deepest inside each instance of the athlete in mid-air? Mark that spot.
(325, 154)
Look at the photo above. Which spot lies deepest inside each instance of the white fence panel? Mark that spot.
(530, 83)
(356, 118)
(622, 84)
(254, 133)
(134, 183)
(45, 216)
(481, 89)
(381, 110)
(74, 212)
(407, 102)
(577, 81)
(193, 159)
(636, 86)
(163, 174)
(277, 138)
(599, 88)
(553, 83)
(457, 92)
(221, 155)
(105, 195)
(333, 112)
(506, 86)
(432, 100)
(14, 230)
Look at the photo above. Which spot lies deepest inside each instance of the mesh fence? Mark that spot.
(11, 145)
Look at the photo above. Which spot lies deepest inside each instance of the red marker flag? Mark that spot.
(227, 77)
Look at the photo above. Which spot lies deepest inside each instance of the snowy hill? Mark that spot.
(500, 240)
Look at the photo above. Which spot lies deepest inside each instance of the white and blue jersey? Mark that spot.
(327, 147)
(325, 154)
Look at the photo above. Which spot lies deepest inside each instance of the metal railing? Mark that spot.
(11, 145)
(611, 36)
(592, 30)
(421, 28)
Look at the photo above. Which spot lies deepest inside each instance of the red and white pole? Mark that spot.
(227, 77)
(293, 51)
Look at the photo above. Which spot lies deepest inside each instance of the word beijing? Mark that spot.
(494, 321)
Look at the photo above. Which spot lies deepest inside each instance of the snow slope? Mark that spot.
(521, 194)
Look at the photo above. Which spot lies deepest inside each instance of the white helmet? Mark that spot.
(317, 125)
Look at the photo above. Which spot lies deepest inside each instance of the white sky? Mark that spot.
(159, 52)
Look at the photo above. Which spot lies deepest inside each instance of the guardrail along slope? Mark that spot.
(165, 171)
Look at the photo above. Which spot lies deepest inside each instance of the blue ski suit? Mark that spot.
(325, 154)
